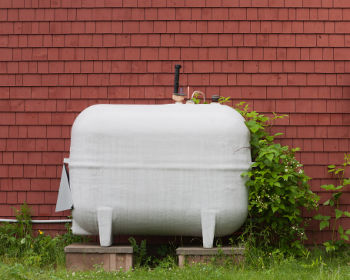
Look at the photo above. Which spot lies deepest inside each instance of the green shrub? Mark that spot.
(278, 190)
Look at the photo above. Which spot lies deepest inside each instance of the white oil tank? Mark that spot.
(159, 170)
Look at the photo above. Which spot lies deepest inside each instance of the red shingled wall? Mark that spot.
(59, 56)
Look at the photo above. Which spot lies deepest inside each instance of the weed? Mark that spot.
(139, 252)
(17, 241)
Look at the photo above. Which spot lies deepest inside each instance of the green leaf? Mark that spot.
(329, 246)
(345, 237)
(329, 187)
(338, 171)
(278, 134)
(320, 217)
(347, 214)
(253, 126)
(331, 166)
(324, 224)
(346, 182)
(326, 202)
(337, 195)
(347, 231)
(338, 214)
(269, 156)
(342, 235)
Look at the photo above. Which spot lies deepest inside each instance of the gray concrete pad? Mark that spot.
(90, 256)
(94, 248)
(192, 255)
(199, 251)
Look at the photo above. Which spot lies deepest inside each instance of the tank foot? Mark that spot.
(208, 227)
(104, 220)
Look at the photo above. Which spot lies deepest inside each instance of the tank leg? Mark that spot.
(208, 227)
(104, 220)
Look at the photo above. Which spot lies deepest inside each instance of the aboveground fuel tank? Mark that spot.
(159, 170)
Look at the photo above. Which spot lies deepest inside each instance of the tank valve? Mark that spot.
(215, 98)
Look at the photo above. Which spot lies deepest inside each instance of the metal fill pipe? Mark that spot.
(38, 221)
(176, 79)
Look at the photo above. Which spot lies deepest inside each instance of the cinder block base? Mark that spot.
(193, 255)
(90, 256)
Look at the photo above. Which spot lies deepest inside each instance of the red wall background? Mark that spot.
(58, 57)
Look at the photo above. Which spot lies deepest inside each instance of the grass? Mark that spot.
(317, 266)
(25, 256)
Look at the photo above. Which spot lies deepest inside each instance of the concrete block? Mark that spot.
(90, 256)
(192, 255)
